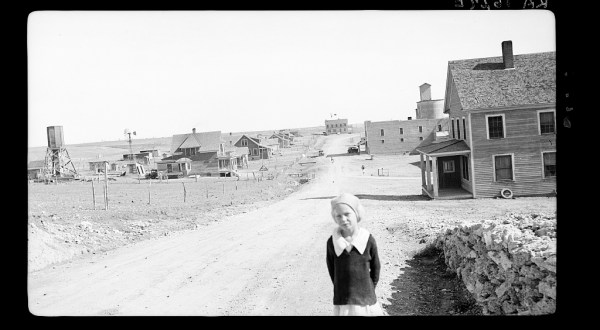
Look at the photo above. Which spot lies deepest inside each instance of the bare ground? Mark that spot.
(270, 258)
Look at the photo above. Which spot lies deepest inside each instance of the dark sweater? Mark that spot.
(354, 275)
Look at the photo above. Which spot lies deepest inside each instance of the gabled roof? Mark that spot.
(449, 146)
(206, 141)
(483, 83)
(255, 140)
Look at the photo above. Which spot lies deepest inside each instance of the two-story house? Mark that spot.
(203, 154)
(502, 139)
(256, 149)
(336, 126)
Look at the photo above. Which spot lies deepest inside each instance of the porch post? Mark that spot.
(422, 171)
(428, 169)
(435, 177)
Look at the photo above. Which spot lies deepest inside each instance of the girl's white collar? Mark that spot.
(360, 242)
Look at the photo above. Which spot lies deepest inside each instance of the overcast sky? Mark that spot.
(165, 72)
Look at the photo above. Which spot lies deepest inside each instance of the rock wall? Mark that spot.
(508, 264)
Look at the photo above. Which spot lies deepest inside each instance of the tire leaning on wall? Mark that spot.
(506, 193)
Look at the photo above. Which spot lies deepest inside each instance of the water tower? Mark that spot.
(58, 162)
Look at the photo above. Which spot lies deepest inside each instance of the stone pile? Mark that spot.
(508, 264)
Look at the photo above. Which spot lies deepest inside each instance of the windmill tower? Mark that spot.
(128, 132)
(57, 163)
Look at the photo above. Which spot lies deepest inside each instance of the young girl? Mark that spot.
(352, 260)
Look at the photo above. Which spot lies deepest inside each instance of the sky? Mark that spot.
(160, 73)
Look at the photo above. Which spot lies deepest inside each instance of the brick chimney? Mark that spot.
(194, 130)
(507, 55)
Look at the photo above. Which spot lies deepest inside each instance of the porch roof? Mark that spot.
(445, 147)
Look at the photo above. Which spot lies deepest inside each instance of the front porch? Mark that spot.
(447, 193)
(443, 168)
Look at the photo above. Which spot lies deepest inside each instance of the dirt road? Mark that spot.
(267, 262)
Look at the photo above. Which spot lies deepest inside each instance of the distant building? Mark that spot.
(35, 169)
(334, 126)
(99, 165)
(143, 157)
(152, 153)
(396, 137)
(284, 142)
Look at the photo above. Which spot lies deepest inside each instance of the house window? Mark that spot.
(503, 167)
(439, 128)
(448, 166)
(465, 167)
(453, 129)
(401, 139)
(457, 128)
(464, 129)
(420, 129)
(549, 159)
(169, 168)
(401, 130)
(547, 123)
(254, 151)
(495, 127)
(382, 141)
(420, 138)
(382, 133)
(244, 143)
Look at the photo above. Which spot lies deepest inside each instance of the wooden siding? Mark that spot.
(456, 112)
(466, 184)
(524, 142)
(392, 138)
(455, 106)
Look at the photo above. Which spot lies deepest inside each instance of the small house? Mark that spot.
(175, 168)
(35, 169)
(98, 165)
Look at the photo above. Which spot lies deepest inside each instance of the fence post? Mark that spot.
(106, 184)
(93, 193)
(184, 191)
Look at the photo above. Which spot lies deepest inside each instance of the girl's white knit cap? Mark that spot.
(351, 201)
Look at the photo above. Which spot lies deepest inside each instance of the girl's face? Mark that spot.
(345, 218)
